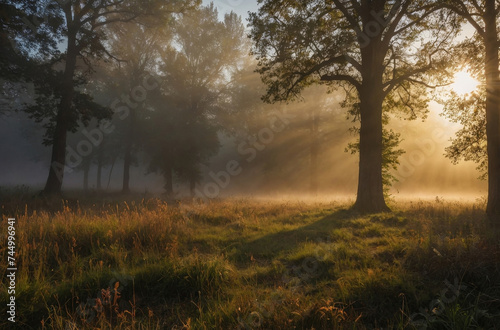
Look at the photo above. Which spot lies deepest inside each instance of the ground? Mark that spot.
(251, 264)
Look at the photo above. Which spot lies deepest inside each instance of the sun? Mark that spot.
(464, 83)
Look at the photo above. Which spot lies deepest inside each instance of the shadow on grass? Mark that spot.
(271, 245)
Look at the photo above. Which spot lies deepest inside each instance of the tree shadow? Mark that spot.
(271, 245)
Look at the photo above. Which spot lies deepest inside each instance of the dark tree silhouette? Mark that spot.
(483, 52)
(80, 25)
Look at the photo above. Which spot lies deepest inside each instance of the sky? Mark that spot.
(240, 7)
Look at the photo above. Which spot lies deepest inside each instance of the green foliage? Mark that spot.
(468, 110)
(469, 143)
(390, 155)
(48, 90)
(300, 43)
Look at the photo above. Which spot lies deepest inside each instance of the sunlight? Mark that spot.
(464, 83)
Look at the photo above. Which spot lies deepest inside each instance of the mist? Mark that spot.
(183, 117)
(281, 167)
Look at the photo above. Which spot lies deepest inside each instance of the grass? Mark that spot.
(251, 264)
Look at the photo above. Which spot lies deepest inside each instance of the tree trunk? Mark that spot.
(86, 169)
(192, 186)
(313, 175)
(100, 160)
(111, 171)
(127, 160)
(370, 196)
(492, 112)
(58, 158)
(169, 182)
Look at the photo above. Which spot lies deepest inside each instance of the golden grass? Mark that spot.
(253, 263)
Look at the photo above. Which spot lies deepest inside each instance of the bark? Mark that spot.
(58, 158)
(370, 196)
(492, 112)
(127, 159)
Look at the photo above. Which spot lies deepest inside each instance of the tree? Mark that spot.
(374, 49)
(80, 24)
(196, 71)
(138, 46)
(17, 41)
(49, 90)
(481, 114)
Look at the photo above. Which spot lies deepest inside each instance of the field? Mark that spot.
(252, 264)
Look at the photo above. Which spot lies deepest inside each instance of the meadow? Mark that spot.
(249, 263)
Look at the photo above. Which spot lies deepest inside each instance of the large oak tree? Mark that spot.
(380, 50)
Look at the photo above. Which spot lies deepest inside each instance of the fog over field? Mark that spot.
(424, 169)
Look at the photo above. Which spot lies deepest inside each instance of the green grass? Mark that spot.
(252, 264)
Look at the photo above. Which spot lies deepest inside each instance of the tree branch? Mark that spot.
(342, 77)
(348, 16)
(426, 84)
(397, 19)
(428, 10)
(391, 84)
(465, 13)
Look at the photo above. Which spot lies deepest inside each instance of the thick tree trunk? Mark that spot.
(492, 112)
(313, 175)
(370, 196)
(58, 158)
